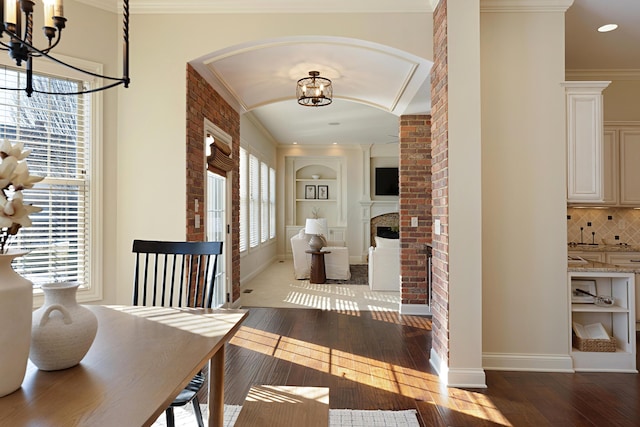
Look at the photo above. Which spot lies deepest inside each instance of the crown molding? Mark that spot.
(261, 6)
(602, 74)
(525, 5)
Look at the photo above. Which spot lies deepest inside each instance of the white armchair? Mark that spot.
(336, 263)
(384, 265)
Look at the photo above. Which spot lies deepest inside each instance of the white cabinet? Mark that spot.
(610, 167)
(618, 320)
(629, 166)
(627, 259)
(584, 141)
(620, 171)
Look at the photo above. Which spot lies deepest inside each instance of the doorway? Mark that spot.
(218, 215)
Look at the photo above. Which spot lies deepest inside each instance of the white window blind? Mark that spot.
(272, 203)
(254, 201)
(244, 200)
(264, 205)
(57, 130)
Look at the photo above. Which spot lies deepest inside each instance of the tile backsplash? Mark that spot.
(606, 223)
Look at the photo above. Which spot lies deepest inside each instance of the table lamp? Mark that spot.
(313, 227)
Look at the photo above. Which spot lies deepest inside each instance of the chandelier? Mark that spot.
(17, 25)
(314, 91)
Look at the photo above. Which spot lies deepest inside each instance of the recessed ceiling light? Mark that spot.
(607, 28)
(295, 143)
(335, 143)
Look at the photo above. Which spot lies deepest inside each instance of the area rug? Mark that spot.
(359, 276)
(337, 417)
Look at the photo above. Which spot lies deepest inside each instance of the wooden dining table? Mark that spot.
(141, 359)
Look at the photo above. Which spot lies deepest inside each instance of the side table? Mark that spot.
(318, 274)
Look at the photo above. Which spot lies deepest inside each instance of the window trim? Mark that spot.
(94, 290)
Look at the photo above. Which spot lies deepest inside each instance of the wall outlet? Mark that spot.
(436, 227)
(414, 221)
(197, 218)
(622, 224)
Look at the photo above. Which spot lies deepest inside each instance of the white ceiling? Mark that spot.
(373, 84)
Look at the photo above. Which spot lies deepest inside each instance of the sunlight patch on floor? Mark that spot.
(382, 375)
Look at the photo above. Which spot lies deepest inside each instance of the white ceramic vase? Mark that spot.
(62, 330)
(16, 305)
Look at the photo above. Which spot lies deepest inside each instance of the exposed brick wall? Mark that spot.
(415, 201)
(204, 102)
(440, 174)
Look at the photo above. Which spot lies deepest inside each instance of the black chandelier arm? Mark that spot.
(98, 89)
(125, 43)
(73, 67)
(84, 92)
(35, 52)
(51, 46)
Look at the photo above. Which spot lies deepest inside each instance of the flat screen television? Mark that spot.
(386, 183)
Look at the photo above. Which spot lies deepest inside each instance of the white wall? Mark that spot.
(525, 307)
(465, 196)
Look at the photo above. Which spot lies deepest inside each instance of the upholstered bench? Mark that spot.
(284, 406)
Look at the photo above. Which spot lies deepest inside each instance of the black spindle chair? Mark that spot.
(177, 274)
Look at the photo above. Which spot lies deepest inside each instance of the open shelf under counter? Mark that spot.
(618, 320)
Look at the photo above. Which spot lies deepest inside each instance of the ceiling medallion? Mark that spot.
(314, 91)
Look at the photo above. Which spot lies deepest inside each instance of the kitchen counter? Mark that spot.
(603, 248)
(595, 266)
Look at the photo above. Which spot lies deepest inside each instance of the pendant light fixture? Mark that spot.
(16, 36)
(314, 91)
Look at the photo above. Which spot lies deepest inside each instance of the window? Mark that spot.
(254, 201)
(58, 131)
(272, 203)
(257, 201)
(264, 205)
(244, 201)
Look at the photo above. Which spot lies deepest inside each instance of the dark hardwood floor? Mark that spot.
(373, 360)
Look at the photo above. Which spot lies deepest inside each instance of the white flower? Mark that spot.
(21, 178)
(15, 150)
(14, 177)
(15, 211)
(7, 167)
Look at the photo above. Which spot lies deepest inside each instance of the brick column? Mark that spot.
(415, 202)
(204, 102)
(440, 174)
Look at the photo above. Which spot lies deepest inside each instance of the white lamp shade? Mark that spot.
(323, 226)
(312, 226)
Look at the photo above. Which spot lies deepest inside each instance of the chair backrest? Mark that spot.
(175, 274)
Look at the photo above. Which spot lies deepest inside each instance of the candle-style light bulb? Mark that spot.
(58, 9)
(10, 11)
(48, 13)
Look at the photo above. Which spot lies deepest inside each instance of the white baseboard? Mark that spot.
(457, 377)
(415, 309)
(527, 362)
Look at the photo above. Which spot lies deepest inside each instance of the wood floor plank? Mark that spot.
(375, 360)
